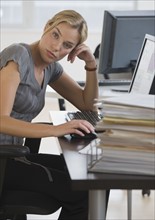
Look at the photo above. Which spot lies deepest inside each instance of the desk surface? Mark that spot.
(77, 167)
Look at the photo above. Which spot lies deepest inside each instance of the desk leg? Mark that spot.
(129, 203)
(97, 204)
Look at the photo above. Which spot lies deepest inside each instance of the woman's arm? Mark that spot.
(82, 98)
(9, 82)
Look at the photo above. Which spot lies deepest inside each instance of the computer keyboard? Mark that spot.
(91, 116)
(109, 82)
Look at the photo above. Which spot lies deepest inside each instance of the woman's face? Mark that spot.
(58, 42)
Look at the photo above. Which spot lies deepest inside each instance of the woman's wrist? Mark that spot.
(91, 66)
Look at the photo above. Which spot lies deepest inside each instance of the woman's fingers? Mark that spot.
(82, 52)
(75, 126)
(81, 127)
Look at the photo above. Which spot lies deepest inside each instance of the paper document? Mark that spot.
(138, 100)
(126, 162)
(128, 138)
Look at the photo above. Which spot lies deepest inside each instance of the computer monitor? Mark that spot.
(143, 80)
(122, 36)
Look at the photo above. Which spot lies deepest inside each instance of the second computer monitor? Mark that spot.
(143, 80)
(122, 36)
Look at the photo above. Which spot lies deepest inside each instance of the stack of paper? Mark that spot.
(128, 137)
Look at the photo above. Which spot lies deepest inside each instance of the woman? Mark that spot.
(26, 70)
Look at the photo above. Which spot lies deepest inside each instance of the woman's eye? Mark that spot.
(55, 35)
(67, 45)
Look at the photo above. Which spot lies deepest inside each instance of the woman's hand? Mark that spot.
(84, 53)
(73, 127)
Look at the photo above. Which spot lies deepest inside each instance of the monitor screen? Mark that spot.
(143, 80)
(123, 33)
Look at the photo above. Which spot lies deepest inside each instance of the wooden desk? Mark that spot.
(96, 183)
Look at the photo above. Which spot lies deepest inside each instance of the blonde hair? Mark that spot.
(71, 17)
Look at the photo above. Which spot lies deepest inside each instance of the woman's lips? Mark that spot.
(51, 55)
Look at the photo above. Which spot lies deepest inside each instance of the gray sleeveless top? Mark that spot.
(30, 96)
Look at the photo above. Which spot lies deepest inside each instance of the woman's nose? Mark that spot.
(57, 46)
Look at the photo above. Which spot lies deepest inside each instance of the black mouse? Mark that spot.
(91, 135)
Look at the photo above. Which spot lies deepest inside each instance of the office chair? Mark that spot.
(15, 204)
